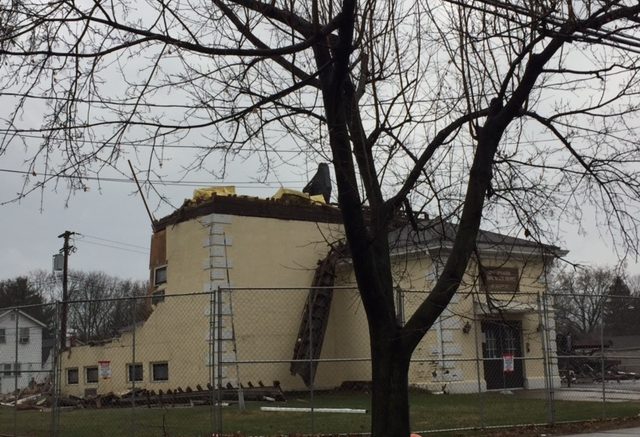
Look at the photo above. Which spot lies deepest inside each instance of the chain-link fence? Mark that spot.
(296, 361)
(27, 366)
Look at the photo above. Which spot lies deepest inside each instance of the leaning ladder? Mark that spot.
(225, 347)
(315, 318)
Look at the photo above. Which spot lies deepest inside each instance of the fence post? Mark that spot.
(602, 366)
(211, 361)
(133, 366)
(56, 373)
(546, 358)
(310, 297)
(476, 340)
(219, 355)
(16, 312)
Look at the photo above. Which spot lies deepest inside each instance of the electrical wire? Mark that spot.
(616, 39)
(115, 247)
(112, 241)
(246, 184)
(23, 135)
(134, 144)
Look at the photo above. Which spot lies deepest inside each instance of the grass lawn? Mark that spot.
(428, 412)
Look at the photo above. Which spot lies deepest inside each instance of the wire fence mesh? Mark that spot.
(297, 361)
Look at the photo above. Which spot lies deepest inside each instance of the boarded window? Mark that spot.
(91, 374)
(134, 372)
(157, 297)
(160, 276)
(160, 371)
(72, 375)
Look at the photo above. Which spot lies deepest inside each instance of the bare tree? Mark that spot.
(581, 298)
(592, 298)
(515, 112)
(100, 306)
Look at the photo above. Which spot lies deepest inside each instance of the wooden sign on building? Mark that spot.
(500, 279)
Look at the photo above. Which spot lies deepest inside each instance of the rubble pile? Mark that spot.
(40, 397)
(35, 396)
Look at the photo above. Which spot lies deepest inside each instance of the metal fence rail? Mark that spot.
(282, 361)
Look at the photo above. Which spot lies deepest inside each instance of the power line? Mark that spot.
(20, 134)
(241, 184)
(614, 37)
(191, 106)
(112, 241)
(135, 144)
(115, 247)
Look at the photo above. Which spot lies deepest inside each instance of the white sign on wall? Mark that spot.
(507, 363)
(104, 368)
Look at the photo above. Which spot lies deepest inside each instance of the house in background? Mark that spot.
(271, 251)
(21, 333)
(625, 349)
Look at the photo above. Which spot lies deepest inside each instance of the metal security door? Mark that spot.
(502, 342)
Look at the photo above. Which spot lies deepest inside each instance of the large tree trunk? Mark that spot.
(390, 396)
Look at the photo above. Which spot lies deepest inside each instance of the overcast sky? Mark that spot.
(113, 227)
(114, 230)
(110, 219)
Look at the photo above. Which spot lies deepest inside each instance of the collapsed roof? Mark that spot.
(410, 235)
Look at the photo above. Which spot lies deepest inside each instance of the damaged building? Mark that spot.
(264, 324)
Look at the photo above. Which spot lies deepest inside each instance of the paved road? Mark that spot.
(613, 433)
(615, 392)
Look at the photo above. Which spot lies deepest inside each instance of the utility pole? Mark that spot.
(66, 249)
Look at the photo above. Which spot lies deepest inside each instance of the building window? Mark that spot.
(160, 275)
(72, 375)
(160, 371)
(491, 344)
(91, 375)
(134, 372)
(24, 335)
(157, 297)
(3, 335)
(6, 369)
